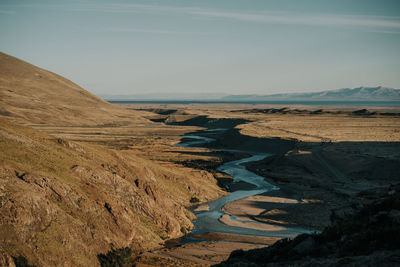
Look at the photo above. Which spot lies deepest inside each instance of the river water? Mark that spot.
(208, 220)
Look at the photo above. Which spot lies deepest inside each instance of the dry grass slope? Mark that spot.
(65, 202)
(32, 95)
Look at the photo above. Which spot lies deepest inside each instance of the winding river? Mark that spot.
(208, 220)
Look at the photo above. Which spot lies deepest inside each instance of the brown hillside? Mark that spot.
(62, 203)
(32, 95)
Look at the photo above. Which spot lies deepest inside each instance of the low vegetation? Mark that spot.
(64, 202)
(78, 173)
(121, 257)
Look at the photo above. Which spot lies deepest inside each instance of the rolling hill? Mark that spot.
(62, 202)
(32, 95)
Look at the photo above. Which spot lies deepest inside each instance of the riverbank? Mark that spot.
(211, 216)
(369, 236)
(317, 175)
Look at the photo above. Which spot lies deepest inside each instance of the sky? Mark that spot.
(208, 46)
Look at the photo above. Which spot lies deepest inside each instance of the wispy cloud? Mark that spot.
(386, 31)
(8, 12)
(378, 23)
(138, 30)
(306, 19)
(289, 18)
(109, 8)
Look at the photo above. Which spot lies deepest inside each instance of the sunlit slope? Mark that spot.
(62, 203)
(33, 95)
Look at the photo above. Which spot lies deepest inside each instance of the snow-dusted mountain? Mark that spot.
(346, 94)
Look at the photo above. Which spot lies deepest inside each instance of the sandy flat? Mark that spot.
(202, 207)
(274, 208)
(254, 205)
(226, 219)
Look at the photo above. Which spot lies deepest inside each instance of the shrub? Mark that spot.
(21, 261)
(194, 200)
(116, 258)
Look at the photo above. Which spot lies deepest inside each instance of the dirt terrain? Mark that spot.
(323, 161)
(81, 177)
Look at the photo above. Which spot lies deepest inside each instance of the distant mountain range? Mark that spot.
(346, 94)
(364, 94)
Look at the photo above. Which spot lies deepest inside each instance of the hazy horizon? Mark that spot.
(222, 47)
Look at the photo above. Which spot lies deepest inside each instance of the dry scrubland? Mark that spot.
(335, 156)
(70, 185)
(80, 176)
(326, 127)
(66, 202)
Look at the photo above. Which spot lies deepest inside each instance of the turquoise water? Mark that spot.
(208, 221)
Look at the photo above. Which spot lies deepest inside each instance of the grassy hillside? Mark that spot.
(33, 95)
(62, 203)
(65, 202)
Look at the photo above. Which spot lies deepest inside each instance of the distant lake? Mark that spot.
(277, 102)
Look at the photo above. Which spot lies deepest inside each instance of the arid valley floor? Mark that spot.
(322, 160)
(80, 176)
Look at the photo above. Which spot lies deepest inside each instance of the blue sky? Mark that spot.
(204, 46)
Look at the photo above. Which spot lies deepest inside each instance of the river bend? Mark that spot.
(208, 220)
